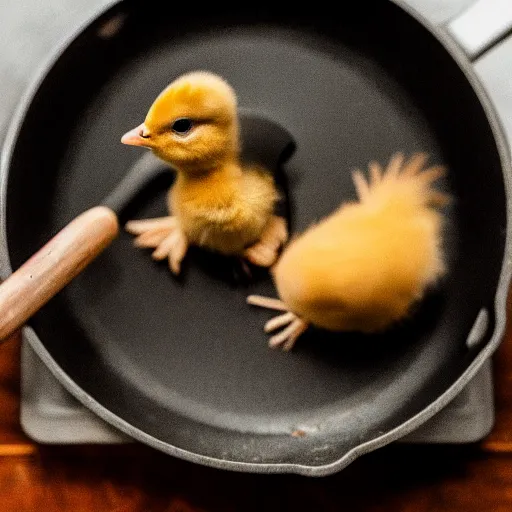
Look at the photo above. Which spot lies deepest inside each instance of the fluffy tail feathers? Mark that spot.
(402, 180)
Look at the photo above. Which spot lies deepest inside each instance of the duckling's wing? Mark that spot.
(259, 191)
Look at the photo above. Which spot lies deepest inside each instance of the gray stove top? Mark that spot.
(30, 30)
(49, 414)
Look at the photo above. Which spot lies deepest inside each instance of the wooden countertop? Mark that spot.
(135, 478)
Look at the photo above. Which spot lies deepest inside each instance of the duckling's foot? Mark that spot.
(164, 235)
(293, 325)
(264, 253)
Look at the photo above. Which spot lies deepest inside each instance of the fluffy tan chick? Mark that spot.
(216, 202)
(362, 268)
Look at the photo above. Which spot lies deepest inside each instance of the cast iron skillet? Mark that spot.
(183, 365)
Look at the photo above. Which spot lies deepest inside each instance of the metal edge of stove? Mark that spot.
(50, 415)
(469, 418)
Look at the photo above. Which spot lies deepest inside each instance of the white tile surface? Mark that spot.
(440, 11)
(481, 25)
(30, 30)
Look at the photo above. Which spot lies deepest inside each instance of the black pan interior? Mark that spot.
(185, 361)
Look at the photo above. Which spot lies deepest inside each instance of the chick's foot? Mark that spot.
(293, 325)
(164, 235)
(264, 253)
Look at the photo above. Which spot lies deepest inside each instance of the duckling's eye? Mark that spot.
(182, 126)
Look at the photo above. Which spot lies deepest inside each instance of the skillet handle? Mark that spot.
(52, 267)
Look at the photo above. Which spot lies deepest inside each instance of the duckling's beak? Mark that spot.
(139, 136)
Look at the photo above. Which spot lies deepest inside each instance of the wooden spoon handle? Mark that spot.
(54, 266)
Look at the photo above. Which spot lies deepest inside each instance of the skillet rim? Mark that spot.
(500, 302)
